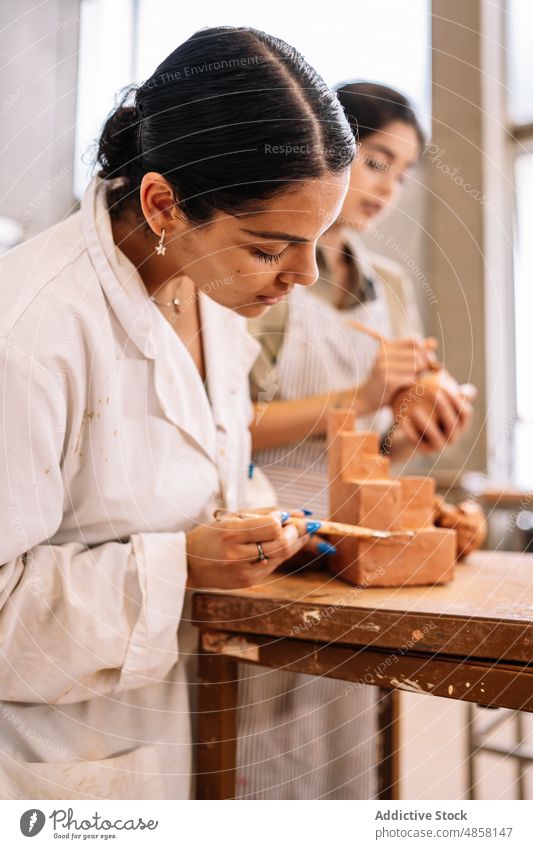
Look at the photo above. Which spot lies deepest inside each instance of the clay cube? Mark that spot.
(374, 504)
(418, 502)
(428, 558)
(355, 456)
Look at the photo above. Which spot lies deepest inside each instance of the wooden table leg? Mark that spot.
(388, 744)
(216, 727)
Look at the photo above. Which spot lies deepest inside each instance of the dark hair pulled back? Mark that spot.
(230, 117)
(369, 107)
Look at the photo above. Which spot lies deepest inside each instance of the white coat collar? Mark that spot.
(229, 349)
(352, 238)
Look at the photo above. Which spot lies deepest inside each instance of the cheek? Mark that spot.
(361, 184)
(370, 183)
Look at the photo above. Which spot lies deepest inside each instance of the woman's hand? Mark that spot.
(430, 416)
(432, 428)
(396, 366)
(223, 554)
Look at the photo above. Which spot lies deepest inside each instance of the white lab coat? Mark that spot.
(111, 451)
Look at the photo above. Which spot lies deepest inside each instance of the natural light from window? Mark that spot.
(350, 41)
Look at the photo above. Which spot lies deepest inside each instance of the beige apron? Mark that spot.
(300, 736)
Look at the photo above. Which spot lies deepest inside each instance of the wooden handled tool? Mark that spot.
(433, 365)
(328, 528)
(340, 529)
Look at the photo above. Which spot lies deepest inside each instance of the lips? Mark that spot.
(371, 208)
(273, 299)
(266, 299)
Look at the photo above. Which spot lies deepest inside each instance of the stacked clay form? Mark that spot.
(362, 492)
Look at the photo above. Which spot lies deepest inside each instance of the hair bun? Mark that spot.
(119, 145)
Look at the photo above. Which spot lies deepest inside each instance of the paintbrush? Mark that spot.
(433, 365)
(329, 528)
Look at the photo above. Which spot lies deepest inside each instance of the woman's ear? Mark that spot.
(158, 204)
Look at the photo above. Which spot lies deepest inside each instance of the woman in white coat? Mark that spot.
(123, 359)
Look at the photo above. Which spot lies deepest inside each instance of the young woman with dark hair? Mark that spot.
(124, 362)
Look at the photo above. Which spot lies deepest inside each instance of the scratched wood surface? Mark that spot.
(485, 682)
(485, 612)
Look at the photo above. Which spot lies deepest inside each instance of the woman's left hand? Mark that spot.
(431, 416)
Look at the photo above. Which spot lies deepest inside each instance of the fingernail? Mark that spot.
(285, 514)
(313, 527)
(326, 548)
(307, 512)
(251, 468)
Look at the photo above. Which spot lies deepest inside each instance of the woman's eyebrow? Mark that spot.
(381, 148)
(272, 234)
(378, 148)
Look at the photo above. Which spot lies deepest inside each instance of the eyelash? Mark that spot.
(376, 164)
(270, 257)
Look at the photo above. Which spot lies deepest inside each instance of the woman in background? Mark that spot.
(306, 737)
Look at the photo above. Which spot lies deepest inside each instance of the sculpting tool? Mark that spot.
(329, 528)
(433, 365)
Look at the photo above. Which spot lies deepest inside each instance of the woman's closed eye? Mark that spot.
(376, 164)
(264, 257)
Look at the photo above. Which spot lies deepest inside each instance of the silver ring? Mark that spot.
(261, 554)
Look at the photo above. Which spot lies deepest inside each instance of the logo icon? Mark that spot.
(32, 822)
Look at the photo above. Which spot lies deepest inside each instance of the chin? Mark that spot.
(252, 310)
(364, 221)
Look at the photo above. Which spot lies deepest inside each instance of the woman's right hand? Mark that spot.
(223, 554)
(396, 366)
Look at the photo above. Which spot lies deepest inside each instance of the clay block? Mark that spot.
(374, 504)
(355, 456)
(418, 502)
(429, 558)
(339, 420)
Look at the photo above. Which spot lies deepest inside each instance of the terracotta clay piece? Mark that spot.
(363, 493)
(467, 519)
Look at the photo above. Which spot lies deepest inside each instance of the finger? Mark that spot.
(400, 355)
(302, 527)
(466, 415)
(319, 546)
(410, 431)
(462, 409)
(295, 536)
(290, 539)
(254, 529)
(468, 391)
(408, 342)
(428, 430)
(446, 413)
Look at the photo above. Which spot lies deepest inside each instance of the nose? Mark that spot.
(388, 184)
(306, 263)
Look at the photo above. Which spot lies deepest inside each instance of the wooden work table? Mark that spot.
(471, 640)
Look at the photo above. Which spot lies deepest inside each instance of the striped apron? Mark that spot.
(302, 736)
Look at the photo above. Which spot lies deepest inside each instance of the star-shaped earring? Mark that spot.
(160, 249)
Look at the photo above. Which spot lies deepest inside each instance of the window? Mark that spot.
(105, 66)
(123, 41)
(520, 112)
(520, 66)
